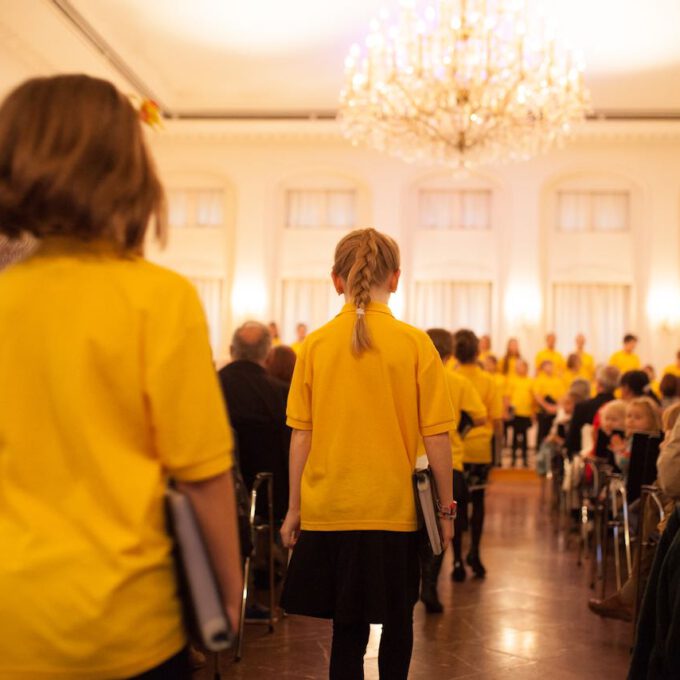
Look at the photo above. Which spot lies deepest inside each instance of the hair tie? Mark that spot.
(361, 311)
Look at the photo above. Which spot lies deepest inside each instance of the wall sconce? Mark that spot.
(248, 298)
(663, 306)
(523, 304)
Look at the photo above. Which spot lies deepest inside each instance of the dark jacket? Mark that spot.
(584, 414)
(656, 655)
(256, 403)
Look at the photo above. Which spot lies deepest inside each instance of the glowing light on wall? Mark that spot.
(397, 303)
(663, 305)
(523, 304)
(249, 298)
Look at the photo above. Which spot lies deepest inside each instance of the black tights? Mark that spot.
(458, 529)
(477, 519)
(349, 647)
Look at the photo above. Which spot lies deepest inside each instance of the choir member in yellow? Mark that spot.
(548, 390)
(301, 332)
(512, 354)
(477, 453)
(274, 332)
(673, 369)
(626, 359)
(523, 407)
(490, 364)
(484, 348)
(549, 353)
(653, 382)
(587, 361)
(465, 400)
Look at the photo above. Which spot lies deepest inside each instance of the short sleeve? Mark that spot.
(471, 402)
(299, 409)
(190, 427)
(435, 412)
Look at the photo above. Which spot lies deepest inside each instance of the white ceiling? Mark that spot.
(272, 57)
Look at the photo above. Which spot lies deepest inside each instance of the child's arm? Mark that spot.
(214, 503)
(438, 449)
(300, 445)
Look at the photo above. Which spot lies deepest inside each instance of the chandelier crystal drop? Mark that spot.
(466, 82)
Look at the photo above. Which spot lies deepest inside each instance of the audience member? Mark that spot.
(280, 363)
(365, 387)
(549, 353)
(606, 378)
(477, 453)
(669, 387)
(107, 390)
(256, 403)
(625, 359)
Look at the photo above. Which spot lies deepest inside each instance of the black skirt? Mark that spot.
(353, 576)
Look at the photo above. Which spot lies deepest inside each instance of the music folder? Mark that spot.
(426, 507)
(204, 613)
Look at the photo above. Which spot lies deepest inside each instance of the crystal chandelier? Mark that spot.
(469, 82)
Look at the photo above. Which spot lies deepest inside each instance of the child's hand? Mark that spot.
(616, 443)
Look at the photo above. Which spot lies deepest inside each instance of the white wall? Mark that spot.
(521, 256)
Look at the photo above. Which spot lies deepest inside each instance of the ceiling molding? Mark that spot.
(126, 71)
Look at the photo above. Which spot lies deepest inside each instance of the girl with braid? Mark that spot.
(366, 387)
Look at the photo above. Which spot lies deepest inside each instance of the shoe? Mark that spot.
(476, 564)
(197, 658)
(458, 574)
(612, 607)
(429, 597)
(256, 613)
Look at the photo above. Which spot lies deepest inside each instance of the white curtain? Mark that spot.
(210, 292)
(573, 211)
(202, 208)
(601, 312)
(178, 209)
(209, 207)
(592, 211)
(453, 305)
(321, 209)
(610, 211)
(446, 210)
(309, 301)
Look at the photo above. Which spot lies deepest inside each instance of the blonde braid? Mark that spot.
(359, 281)
(363, 259)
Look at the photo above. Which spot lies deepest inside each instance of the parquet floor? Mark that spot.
(527, 620)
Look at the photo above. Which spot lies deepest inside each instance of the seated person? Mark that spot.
(620, 604)
(669, 387)
(257, 409)
(642, 416)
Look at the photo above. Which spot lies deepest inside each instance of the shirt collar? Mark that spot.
(350, 307)
(70, 245)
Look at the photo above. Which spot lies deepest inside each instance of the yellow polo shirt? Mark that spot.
(297, 346)
(624, 361)
(521, 390)
(511, 361)
(366, 415)
(549, 386)
(107, 388)
(672, 369)
(550, 355)
(477, 444)
(587, 364)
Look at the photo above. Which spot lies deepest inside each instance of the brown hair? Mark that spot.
(364, 258)
(442, 341)
(280, 363)
(73, 162)
(670, 416)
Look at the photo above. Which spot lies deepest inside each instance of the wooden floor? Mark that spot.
(528, 619)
